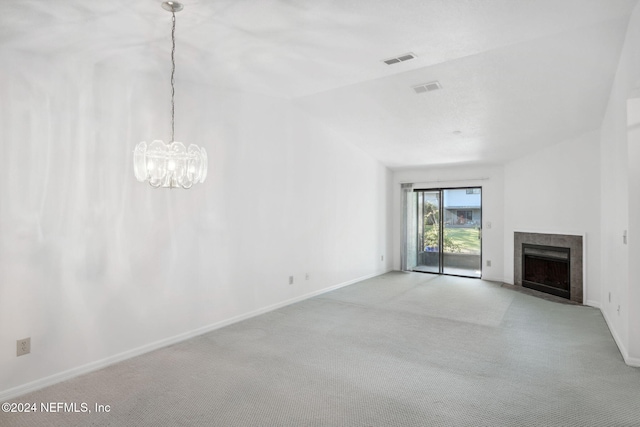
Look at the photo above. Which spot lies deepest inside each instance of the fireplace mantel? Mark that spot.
(576, 244)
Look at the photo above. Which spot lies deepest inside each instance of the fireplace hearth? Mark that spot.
(547, 269)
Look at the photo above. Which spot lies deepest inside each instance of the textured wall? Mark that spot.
(557, 191)
(95, 266)
(620, 277)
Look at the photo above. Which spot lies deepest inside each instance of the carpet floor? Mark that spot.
(401, 349)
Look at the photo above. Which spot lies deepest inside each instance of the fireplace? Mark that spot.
(554, 263)
(547, 269)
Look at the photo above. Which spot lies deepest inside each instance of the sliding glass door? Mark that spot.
(448, 231)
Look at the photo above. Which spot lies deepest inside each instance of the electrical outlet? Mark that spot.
(23, 346)
(488, 224)
(291, 280)
(488, 263)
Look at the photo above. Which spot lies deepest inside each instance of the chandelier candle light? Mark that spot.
(170, 165)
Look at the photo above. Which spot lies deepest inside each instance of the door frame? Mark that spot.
(441, 225)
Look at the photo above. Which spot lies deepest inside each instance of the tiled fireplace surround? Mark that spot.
(573, 242)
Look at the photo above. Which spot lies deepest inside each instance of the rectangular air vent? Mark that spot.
(427, 87)
(401, 58)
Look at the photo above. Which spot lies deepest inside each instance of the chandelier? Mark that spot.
(170, 165)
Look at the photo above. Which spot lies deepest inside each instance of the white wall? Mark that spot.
(589, 185)
(96, 267)
(620, 169)
(557, 190)
(633, 135)
(563, 198)
(491, 181)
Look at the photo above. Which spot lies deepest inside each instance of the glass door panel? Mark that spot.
(428, 232)
(462, 236)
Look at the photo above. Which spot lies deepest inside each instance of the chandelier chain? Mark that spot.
(173, 71)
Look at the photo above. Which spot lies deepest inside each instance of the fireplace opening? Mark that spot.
(546, 269)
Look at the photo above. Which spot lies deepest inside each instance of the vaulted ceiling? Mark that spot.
(516, 75)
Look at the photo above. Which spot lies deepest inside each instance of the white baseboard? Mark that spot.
(493, 279)
(631, 361)
(99, 364)
(595, 304)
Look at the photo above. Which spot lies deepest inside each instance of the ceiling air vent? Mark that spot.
(401, 58)
(427, 87)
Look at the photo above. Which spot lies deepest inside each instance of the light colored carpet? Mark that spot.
(402, 349)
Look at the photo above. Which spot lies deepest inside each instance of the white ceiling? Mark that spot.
(517, 75)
